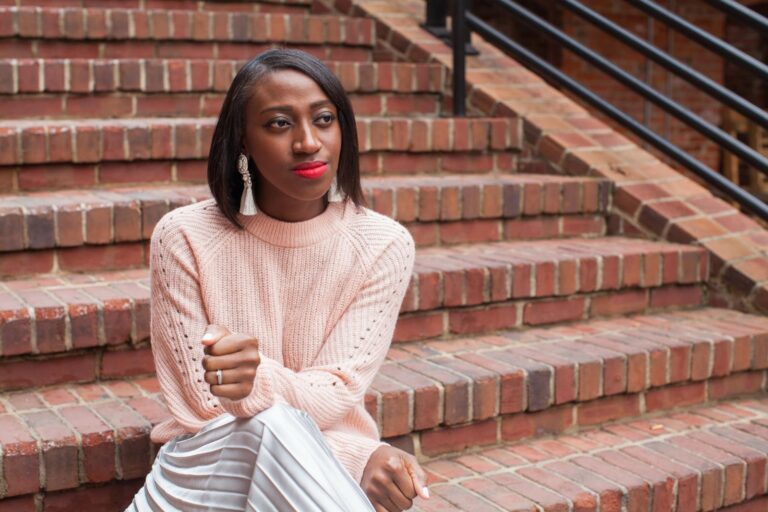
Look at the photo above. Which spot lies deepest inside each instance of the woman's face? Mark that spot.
(293, 135)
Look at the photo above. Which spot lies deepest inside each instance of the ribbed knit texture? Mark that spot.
(322, 297)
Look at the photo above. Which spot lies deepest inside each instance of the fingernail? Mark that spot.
(207, 336)
(425, 492)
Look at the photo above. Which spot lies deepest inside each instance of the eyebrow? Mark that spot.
(312, 106)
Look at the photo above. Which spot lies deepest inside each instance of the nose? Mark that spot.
(306, 140)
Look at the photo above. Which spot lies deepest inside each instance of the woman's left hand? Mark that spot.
(236, 355)
(392, 479)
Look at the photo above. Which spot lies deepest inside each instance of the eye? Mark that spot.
(279, 122)
(326, 118)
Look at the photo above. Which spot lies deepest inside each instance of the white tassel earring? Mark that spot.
(247, 203)
(334, 193)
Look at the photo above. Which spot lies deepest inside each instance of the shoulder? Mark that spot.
(194, 225)
(375, 235)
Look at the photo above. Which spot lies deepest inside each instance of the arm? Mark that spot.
(177, 323)
(348, 361)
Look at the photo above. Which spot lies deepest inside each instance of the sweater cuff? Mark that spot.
(262, 395)
(352, 451)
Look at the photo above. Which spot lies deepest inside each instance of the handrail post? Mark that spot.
(459, 36)
(436, 16)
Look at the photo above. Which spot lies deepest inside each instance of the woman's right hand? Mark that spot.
(236, 355)
(392, 479)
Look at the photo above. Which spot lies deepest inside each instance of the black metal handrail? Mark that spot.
(703, 38)
(739, 11)
(544, 68)
(735, 146)
(551, 73)
(460, 33)
(705, 83)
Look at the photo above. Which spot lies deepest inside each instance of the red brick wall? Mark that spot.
(667, 83)
(748, 39)
(678, 46)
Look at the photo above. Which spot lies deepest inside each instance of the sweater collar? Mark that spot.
(297, 234)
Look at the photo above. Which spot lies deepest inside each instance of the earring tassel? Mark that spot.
(247, 203)
(334, 193)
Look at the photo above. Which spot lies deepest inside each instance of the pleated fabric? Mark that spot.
(274, 461)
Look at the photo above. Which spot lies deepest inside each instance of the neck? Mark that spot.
(288, 210)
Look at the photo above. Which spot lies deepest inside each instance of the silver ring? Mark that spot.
(218, 377)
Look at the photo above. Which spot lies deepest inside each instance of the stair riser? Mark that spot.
(297, 7)
(106, 456)
(600, 371)
(505, 389)
(95, 364)
(440, 398)
(189, 105)
(178, 76)
(86, 258)
(180, 139)
(116, 255)
(61, 323)
(151, 27)
(34, 177)
(23, 49)
(702, 458)
(434, 208)
(531, 313)
(571, 418)
(113, 496)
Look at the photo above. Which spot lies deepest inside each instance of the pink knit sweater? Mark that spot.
(322, 297)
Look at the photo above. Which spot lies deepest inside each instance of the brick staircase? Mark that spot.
(540, 363)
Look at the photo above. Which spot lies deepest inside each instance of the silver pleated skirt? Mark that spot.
(274, 461)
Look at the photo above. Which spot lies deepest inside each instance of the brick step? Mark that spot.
(477, 288)
(105, 425)
(702, 458)
(37, 177)
(454, 291)
(119, 49)
(53, 32)
(58, 106)
(161, 139)
(440, 210)
(217, 5)
(177, 75)
(37, 88)
(452, 393)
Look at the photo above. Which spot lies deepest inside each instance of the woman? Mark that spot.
(273, 306)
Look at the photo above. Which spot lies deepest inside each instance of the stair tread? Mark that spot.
(170, 75)
(721, 448)
(163, 138)
(115, 194)
(143, 121)
(162, 4)
(100, 321)
(483, 376)
(68, 218)
(444, 278)
(642, 397)
(431, 260)
(164, 25)
(122, 411)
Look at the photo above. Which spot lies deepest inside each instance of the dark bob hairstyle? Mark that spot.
(224, 180)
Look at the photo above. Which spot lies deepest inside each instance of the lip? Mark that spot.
(309, 165)
(311, 170)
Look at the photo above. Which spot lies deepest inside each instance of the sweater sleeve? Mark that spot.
(346, 364)
(352, 451)
(178, 321)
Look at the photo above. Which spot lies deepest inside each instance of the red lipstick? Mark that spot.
(311, 170)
